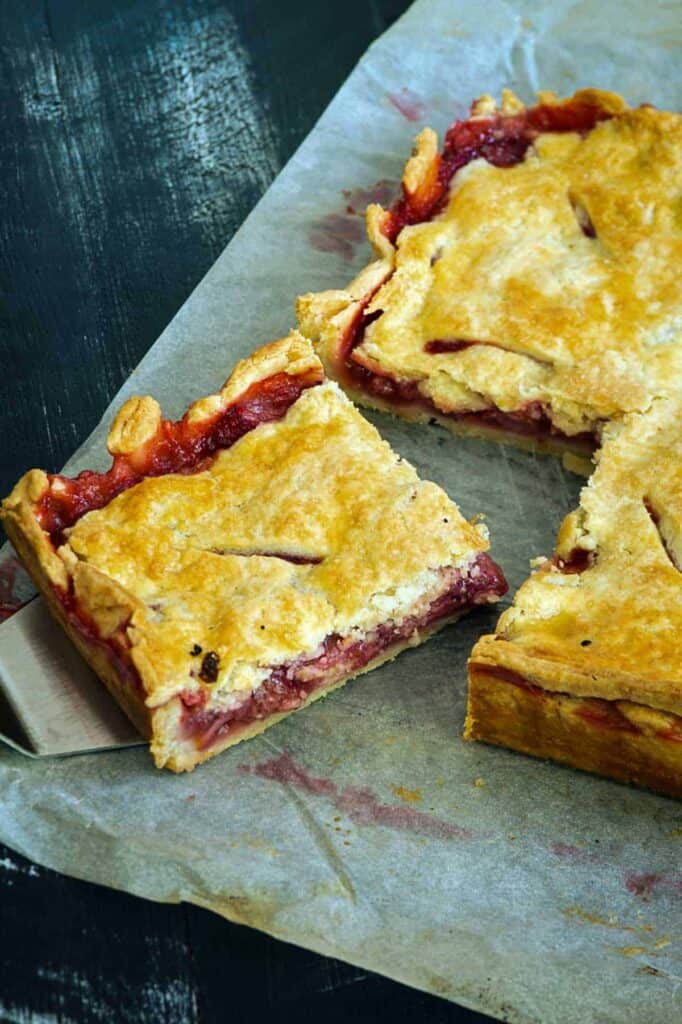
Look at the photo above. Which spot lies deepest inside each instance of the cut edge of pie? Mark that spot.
(109, 624)
(336, 320)
(584, 666)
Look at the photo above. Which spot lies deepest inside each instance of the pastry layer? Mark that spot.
(625, 741)
(527, 278)
(272, 520)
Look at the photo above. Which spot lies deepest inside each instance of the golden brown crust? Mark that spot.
(136, 422)
(26, 534)
(589, 327)
(291, 355)
(549, 726)
(307, 526)
(611, 630)
(419, 167)
(325, 317)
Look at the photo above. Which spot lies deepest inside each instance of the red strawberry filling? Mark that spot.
(116, 647)
(289, 686)
(577, 561)
(606, 715)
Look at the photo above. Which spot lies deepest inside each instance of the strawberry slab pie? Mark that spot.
(585, 666)
(236, 565)
(526, 286)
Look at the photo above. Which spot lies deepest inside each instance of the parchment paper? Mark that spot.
(364, 827)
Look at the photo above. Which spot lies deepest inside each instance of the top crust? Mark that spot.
(567, 262)
(306, 526)
(612, 629)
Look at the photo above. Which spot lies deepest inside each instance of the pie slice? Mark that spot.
(527, 284)
(585, 667)
(238, 564)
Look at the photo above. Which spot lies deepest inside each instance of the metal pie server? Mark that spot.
(51, 703)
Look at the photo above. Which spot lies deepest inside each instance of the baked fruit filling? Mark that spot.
(235, 565)
(289, 686)
(525, 287)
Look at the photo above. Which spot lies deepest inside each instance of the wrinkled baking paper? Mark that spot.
(364, 828)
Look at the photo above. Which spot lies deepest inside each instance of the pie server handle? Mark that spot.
(51, 702)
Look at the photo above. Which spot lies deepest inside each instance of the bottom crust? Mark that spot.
(183, 755)
(545, 725)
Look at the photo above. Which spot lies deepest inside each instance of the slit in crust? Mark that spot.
(666, 544)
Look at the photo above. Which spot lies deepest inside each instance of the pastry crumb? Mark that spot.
(536, 563)
(410, 796)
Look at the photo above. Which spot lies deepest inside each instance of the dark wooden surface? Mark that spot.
(135, 136)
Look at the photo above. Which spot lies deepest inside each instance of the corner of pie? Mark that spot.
(233, 566)
(526, 286)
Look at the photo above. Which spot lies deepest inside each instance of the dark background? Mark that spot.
(135, 136)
